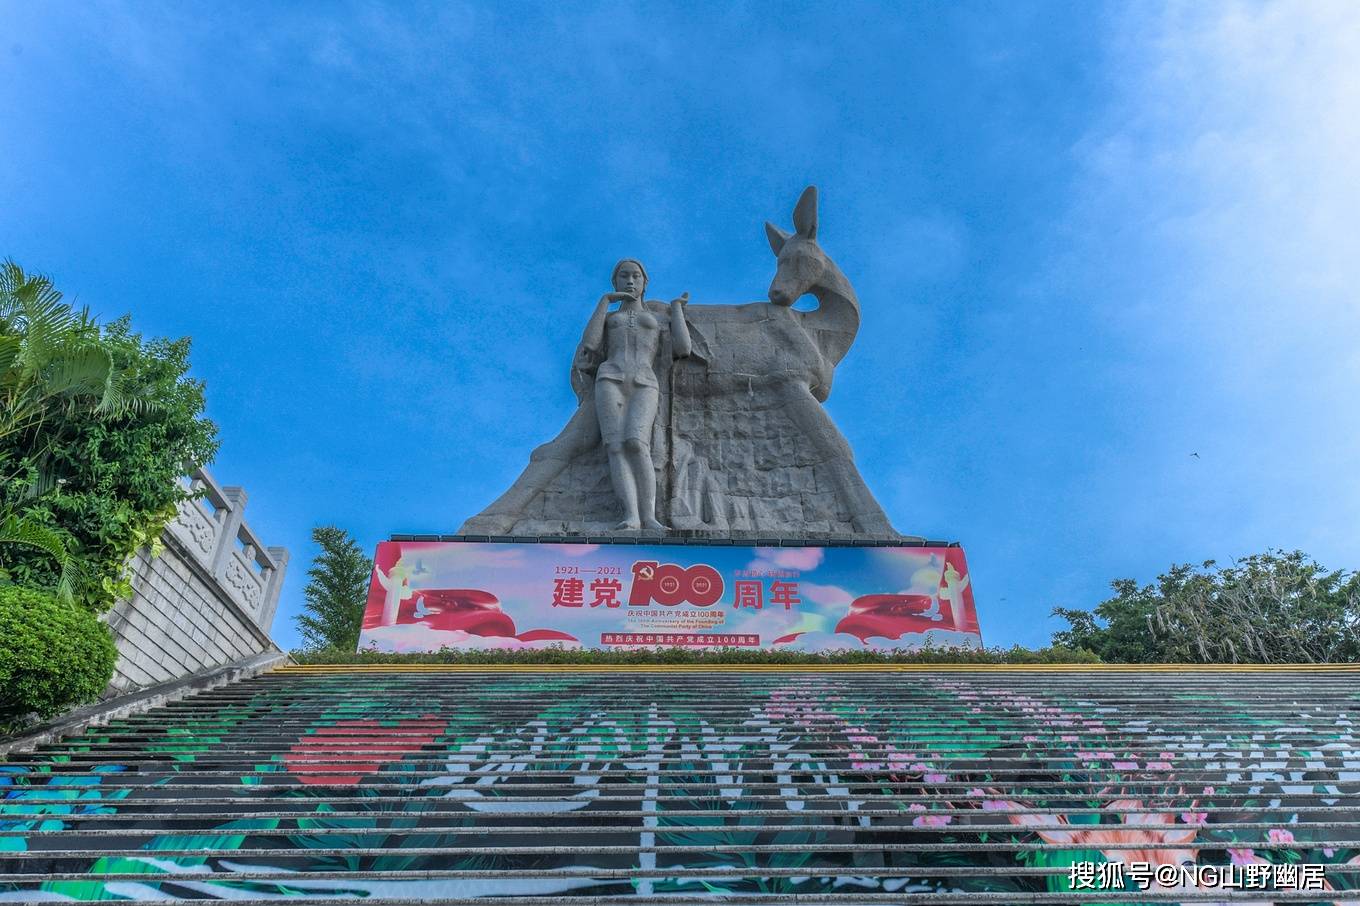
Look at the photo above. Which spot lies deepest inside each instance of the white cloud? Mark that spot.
(825, 595)
(574, 550)
(799, 558)
(1234, 147)
(442, 559)
(1215, 239)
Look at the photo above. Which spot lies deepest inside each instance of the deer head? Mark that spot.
(802, 268)
(802, 263)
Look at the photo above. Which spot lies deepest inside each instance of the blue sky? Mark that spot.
(1089, 240)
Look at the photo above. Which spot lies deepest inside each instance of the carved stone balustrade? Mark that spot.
(213, 530)
(206, 601)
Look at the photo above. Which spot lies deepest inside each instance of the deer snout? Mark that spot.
(779, 295)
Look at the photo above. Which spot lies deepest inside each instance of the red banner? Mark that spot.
(426, 596)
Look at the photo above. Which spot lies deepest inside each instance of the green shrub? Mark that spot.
(52, 655)
(716, 657)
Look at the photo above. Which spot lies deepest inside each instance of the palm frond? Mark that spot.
(30, 304)
(44, 479)
(15, 529)
(11, 347)
(80, 369)
(121, 398)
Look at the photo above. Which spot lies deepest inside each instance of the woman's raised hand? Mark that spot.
(618, 297)
(682, 300)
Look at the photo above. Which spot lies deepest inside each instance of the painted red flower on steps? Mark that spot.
(346, 751)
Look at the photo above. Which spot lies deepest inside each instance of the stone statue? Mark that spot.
(739, 442)
(628, 411)
(626, 390)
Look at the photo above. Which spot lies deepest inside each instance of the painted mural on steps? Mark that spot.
(791, 791)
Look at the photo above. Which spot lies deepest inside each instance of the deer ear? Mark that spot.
(805, 213)
(776, 236)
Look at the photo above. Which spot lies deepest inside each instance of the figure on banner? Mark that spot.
(626, 390)
(397, 583)
(926, 580)
(954, 584)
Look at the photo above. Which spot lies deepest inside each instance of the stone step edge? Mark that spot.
(629, 829)
(709, 898)
(133, 703)
(296, 669)
(600, 873)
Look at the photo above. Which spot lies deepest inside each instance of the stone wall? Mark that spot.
(207, 600)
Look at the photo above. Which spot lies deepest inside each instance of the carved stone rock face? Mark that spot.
(742, 445)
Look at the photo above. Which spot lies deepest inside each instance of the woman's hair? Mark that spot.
(615, 275)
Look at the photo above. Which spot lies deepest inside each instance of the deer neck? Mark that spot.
(837, 309)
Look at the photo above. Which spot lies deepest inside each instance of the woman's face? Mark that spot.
(629, 279)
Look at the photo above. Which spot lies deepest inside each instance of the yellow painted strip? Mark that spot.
(818, 668)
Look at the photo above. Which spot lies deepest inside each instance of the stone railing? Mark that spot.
(206, 601)
(214, 531)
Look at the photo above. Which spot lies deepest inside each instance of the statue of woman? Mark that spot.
(626, 390)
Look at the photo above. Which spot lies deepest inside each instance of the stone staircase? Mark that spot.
(403, 784)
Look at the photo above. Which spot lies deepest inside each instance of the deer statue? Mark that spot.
(742, 443)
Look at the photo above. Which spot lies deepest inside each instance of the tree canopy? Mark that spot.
(1274, 607)
(97, 426)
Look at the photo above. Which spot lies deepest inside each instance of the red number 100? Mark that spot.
(669, 584)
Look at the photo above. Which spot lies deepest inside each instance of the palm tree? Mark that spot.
(51, 358)
(51, 364)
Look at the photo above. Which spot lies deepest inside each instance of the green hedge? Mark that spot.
(52, 656)
(1015, 655)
